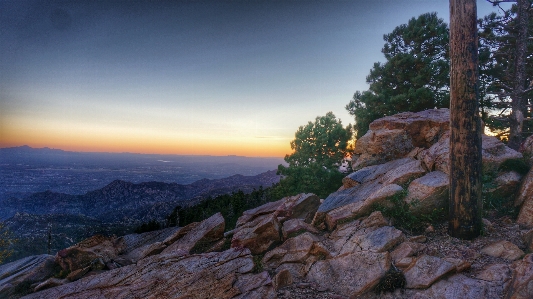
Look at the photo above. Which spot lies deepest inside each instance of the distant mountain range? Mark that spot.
(25, 170)
(130, 203)
(116, 208)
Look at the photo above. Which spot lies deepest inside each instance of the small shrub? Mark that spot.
(399, 211)
(518, 165)
(258, 263)
(148, 227)
(393, 279)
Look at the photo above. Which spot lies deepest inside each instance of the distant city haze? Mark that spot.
(186, 77)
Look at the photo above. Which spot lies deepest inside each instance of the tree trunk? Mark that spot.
(465, 123)
(517, 95)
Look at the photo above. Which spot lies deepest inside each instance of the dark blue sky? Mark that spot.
(191, 77)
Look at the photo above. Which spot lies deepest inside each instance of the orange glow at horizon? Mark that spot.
(118, 142)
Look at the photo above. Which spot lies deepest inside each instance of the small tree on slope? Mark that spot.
(319, 150)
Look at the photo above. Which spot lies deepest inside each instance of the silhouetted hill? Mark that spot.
(131, 203)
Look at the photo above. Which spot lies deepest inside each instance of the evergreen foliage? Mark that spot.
(319, 150)
(497, 73)
(231, 206)
(6, 240)
(148, 227)
(415, 76)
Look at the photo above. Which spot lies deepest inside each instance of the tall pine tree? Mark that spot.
(415, 76)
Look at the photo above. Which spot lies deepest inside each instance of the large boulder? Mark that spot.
(503, 249)
(366, 174)
(507, 185)
(366, 188)
(139, 246)
(208, 275)
(428, 192)
(202, 237)
(351, 274)
(97, 248)
(301, 206)
(293, 227)
(303, 249)
(344, 205)
(494, 152)
(258, 235)
(425, 271)
(395, 136)
(19, 277)
(250, 215)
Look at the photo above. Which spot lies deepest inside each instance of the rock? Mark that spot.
(379, 146)
(282, 279)
(354, 202)
(406, 249)
(397, 135)
(487, 225)
(494, 152)
(521, 285)
(77, 274)
(507, 184)
(147, 250)
(373, 239)
(200, 238)
(258, 235)
(437, 157)
(405, 262)
(132, 242)
(375, 219)
(460, 264)
(208, 275)
(290, 273)
(351, 274)
(294, 227)
(180, 233)
(81, 255)
(374, 172)
(527, 149)
(296, 250)
(428, 192)
(268, 208)
(404, 173)
(503, 249)
(499, 273)
(460, 286)
(425, 271)
(50, 283)
(25, 272)
(301, 206)
(525, 198)
(418, 239)
(255, 286)
(528, 239)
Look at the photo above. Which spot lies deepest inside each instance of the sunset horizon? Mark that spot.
(186, 78)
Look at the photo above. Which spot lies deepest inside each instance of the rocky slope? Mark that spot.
(305, 247)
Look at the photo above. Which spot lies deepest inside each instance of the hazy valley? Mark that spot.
(76, 195)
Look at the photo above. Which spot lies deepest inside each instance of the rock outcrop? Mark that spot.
(20, 277)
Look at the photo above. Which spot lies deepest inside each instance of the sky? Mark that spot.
(186, 77)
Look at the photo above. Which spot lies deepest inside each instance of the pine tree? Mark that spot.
(415, 76)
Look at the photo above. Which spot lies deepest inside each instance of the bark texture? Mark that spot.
(465, 124)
